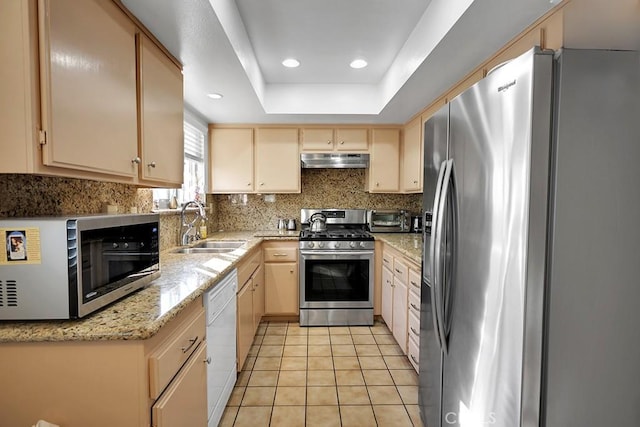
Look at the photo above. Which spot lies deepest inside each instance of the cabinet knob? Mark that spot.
(328, 142)
(377, 184)
(249, 185)
(341, 142)
(261, 184)
(136, 160)
(152, 165)
(415, 182)
(207, 360)
(291, 271)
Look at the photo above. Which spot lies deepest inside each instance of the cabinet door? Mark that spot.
(352, 140)
(316, 139)
(400, 313)
(245, 322)
(161, 115)
(184, 402)
(384, 168)
(231, 160)
(412, 158)
(387, 297)
(277, 161)
(18, 86)
(281, 288)
(88, 80)
(258, 297)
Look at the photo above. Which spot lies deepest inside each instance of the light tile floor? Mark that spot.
(324, 376)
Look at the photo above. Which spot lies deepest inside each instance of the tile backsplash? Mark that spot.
(32, 195)
(321, 188)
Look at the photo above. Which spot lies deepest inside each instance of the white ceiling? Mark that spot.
(416, 50)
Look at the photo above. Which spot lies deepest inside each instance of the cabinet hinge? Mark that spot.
(43, 137)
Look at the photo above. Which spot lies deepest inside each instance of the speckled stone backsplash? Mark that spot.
(31, 195)
(321, 188)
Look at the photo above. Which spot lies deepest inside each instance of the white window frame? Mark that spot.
(162, 196)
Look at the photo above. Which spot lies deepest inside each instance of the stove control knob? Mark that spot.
(362, 244)
(352, 244)
(320, 244)
(337, 245)
(310, 245)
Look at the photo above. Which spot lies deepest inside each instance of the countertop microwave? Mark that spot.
(68, 267)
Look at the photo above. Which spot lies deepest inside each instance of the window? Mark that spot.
(195, 155)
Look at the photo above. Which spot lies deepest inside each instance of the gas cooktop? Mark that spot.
(336, 234)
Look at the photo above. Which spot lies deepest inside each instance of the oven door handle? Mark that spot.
(348, 253)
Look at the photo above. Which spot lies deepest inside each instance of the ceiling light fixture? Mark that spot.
(358, 63)
(214, 95)
(291, 63)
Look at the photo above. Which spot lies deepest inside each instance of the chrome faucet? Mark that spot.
(189, 235)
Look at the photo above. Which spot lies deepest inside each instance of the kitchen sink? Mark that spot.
(211, 247)
(220, 244)
(202, 250)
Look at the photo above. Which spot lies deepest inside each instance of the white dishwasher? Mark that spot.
(220, 305)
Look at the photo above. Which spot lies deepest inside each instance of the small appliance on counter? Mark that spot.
(389, 221)
(416, 223)
(68, 267)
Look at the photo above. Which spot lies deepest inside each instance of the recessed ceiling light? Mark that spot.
(358, 63)
(291, 63)
(214, 95)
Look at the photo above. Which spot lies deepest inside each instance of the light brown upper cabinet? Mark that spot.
(261, 160)
(88, 82)
(231, 160)
(161, 115)
(330, 139)
(383, 175)
(277, 160)
(75, 88)
(412, 157)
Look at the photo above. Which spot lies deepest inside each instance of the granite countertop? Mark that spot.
(184, 278)
(409, 244)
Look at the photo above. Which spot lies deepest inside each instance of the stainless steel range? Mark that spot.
(336, 268)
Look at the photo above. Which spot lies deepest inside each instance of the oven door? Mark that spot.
(336, 279)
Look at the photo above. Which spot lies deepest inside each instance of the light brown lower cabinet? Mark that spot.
(183, 402)
(250, 303)
(401, 300)
(281, 278)
(109, 383)
(244, 330)
(258, 297)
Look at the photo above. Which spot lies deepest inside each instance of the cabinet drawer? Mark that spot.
(247, 267)
(167, 360)
(185, 402)
(400, 270)
(414, 304)
(415, 281)
(387, 260)
(414, 354)
(280, 254)
(414, 327)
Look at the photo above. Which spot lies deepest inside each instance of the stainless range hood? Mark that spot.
(334, 160)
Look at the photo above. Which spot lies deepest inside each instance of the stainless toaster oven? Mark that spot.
(389, 221)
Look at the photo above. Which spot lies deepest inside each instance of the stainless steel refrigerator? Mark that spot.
(531, 269)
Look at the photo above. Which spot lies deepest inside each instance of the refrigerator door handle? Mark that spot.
(442, 278)
(434, 253)
(450, 194)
